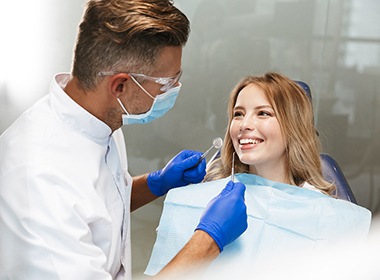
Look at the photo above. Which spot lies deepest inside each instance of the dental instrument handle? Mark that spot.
(233, 168)
(204, 155)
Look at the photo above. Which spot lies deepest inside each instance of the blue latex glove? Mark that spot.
(225, 217)
(179, 171)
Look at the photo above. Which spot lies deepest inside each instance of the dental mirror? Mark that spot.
(217, 143)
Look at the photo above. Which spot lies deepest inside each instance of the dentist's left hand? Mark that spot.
(179, 171)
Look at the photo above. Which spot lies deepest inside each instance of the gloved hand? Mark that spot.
(178, 172)
(225, 217)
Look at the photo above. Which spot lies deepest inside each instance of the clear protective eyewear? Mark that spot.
(166, 82)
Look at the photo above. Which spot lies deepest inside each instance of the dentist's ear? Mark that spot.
(117, 83)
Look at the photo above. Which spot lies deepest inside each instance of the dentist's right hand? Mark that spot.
(225, 217)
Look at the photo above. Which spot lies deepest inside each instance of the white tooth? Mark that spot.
(250, 141)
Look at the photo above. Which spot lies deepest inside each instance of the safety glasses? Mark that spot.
(166, 82)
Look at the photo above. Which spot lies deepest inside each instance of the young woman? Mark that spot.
(271, 133)
(275, 148)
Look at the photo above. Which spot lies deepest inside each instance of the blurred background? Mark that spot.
(332, 45)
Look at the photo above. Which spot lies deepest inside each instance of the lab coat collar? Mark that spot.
(74, 115)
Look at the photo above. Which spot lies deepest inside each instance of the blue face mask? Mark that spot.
(162, 103)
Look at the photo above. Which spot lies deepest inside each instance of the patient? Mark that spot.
(272, 131)
(290, 207)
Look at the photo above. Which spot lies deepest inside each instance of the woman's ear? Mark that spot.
(117, 84)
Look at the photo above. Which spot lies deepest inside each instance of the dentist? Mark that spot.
(65, 191)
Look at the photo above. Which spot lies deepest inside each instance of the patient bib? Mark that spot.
(281, 218)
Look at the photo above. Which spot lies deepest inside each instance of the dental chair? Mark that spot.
(332, 173)
(330, 168)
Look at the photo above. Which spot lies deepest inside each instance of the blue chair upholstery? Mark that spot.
(330, 168)
(306, 89)
(332, 173)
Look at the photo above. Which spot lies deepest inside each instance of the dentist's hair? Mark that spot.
(294, 112)
(125, 35)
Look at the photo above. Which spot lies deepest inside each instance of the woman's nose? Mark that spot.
(248, 123)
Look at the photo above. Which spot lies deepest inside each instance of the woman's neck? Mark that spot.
(276, 174)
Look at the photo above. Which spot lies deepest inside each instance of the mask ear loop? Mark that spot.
(122, 106)
(140, 86)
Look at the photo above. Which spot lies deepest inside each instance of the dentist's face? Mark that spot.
(256, 133)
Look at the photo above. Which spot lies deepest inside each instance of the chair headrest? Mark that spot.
(306, 88)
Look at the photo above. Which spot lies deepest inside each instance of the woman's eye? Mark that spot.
(238, 114)
(264, 113)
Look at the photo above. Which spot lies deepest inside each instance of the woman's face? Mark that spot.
(256, 133)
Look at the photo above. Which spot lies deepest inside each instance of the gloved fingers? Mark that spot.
(193, 177)
(185, 154)
(179, 157)
(234, 188)
(195, 174)
(227, 188)
(191, 161)
(225, 217)
(183, 160)
(239, 188)
(200, 167)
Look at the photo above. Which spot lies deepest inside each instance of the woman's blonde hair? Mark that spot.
(294, 112)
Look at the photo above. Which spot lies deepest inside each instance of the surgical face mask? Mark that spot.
(162, 103)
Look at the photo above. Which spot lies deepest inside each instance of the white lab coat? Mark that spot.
(64, 194)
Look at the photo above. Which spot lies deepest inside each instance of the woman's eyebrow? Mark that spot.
(263, 107)
(256, 108)
(238, 107)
